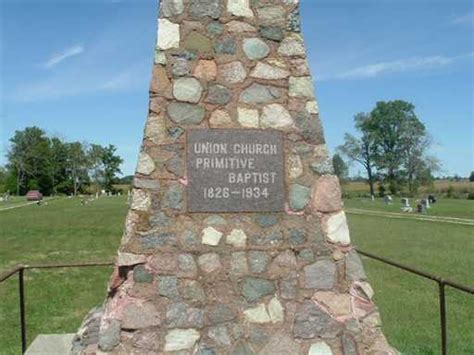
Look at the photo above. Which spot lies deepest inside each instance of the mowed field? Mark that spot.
(66, 231)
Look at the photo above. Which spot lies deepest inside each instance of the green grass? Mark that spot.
(66, 231)
(408, 303)
(443, 207)
(61, 231)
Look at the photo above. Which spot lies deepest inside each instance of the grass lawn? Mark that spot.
(443, 207)
(65, 231)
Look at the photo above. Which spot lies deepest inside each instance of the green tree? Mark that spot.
(340, 167)
(362, 149)
(111, 163)
(27, 158)
(471, 177)
(399, 140)
(77, 165)
(96, 167)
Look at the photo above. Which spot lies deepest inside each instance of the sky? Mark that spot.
(80, 69)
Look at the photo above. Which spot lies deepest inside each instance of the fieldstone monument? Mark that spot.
(235, 241)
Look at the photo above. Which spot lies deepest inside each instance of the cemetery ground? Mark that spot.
(66, 231)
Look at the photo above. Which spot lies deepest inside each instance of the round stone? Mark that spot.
(255, 48)
(233, 72)
(172, 7)
(239, 8)
(275, 116)
(183, 113)
(218, 95)
(257, 94)
(301, 87)
(248, 117)
(266, 71)
(299, 196)
(187, 89)
(272, 32)
(292, 46)
(225, 46)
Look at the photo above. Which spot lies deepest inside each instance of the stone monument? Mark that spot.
(235, 241)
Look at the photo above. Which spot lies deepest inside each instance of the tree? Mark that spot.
(361, 150)
(340, 167)
(111, 163)
(27, 159)
(399, 140)
(471, 177)
(96, 166)
(57, 162)
(77, 165)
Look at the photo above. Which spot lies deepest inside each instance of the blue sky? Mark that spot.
(80, 69)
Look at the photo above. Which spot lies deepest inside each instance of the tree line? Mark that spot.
(52, 165)
(392, 145)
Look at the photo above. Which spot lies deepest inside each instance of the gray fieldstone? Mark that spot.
(180, 67)
(233, 72)
(294, 21)
(292, 46)
(307, 255)
(297, 236)
(275, 116)
(187, 266)
(225, 46)
(242, 348)
(269, 239)
(321, 275)
(171, 8)
(271, 16)
(145, 165)
(209, 262)
(266, 220)
(258, 261)
(175, 165)
(183, 113)
(238, 263)
(175, 132)
(301, 87)
(187, 89)
(220, 313)
(191, 290)
(215, 28)
(310, 128)
(220, 335)
(255, 48)
(257, 94)
(274, 33)
(280, 344)
(190, 238)
(254, 288)
(159, 219)
(299, 196)
(140, 316)
(203, 8)
(173, 197)
(146, 184)
(289, 286)
(215, 220)
(156, 239)
(109, 336)
(180, 315)
(354, 269)
(142, 275)
(168, 287)
(218, 95)
(311, 321)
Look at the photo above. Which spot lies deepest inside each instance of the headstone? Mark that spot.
(388, 199)
(235, 220)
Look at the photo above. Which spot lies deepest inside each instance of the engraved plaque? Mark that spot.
(235, 170)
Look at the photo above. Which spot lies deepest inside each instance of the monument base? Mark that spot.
(51, 344)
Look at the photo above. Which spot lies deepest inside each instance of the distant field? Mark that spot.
(443, 207)
(66, 231)
(440, 187)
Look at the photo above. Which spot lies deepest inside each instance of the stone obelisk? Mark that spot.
(235, 241)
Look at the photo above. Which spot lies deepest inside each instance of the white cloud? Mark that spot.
(467, 19)
(63, 55)
(396, 66)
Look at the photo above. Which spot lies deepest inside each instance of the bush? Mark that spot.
(470, 196)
